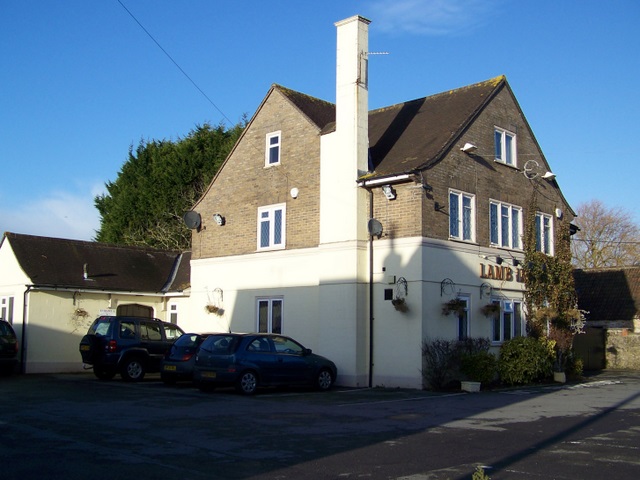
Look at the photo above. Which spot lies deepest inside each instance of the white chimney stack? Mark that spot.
(352, 95)
(344, 153)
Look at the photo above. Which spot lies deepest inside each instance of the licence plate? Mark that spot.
(169, 368)
(209, 374)
(85, 348)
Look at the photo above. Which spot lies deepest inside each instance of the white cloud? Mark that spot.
(59, 214)
(432, 17)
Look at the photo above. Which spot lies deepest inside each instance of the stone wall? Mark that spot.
(622, 349)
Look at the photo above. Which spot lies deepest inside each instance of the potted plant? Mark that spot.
(477, 368)
(454, 305)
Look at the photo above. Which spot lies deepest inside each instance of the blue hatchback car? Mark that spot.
(251, 360)
(178, 362)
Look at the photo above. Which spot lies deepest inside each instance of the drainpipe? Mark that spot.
(23, 340)
(370, 293)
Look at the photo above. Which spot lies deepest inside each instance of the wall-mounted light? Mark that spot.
(294, 192)
(516, 262)
(549, 176)
(437, 207)
(389, 192)
(469, 148)
(499, 260)
(219, 219)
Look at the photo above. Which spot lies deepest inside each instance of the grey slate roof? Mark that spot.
(609, 294)
(56, 262)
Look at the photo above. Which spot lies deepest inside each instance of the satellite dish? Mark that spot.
(375, 228)
(191, 219)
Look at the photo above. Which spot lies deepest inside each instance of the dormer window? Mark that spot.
(505, 146)
(272, 152)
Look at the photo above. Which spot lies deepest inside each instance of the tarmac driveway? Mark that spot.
(76, 427)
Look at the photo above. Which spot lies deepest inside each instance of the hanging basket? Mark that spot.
(490, 309)
(455, 305)
(400, 304)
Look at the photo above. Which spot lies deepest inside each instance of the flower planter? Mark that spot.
(467, 386)
(560, 377)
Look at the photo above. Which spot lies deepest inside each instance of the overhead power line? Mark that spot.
(174, 62)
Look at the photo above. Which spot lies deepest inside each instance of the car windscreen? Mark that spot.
(220, 344)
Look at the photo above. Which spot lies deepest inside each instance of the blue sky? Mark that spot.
(81, 81)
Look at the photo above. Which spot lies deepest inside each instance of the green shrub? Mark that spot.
(442, 360)
(479, 366)
(525, 360)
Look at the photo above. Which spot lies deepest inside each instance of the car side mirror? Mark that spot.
(306, 351)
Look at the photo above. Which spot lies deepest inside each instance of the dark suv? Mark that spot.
(131, 346)
(8, 348)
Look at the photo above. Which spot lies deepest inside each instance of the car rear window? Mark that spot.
(101, 327)
(188, 340)
(5, 330)
(220, 344)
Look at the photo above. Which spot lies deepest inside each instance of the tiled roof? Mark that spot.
(56, 262)
(409, 135)
(318, 111)
(609, 294)
(413, 134)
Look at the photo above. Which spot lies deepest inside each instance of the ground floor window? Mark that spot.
(508, 322)
(269, 314)
(463, 318)
(173, 313)
(6, 309)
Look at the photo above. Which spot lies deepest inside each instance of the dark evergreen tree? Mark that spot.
(159, 182)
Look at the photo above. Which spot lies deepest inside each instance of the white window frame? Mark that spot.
(270, 324)
(464, 318)
(267, 216)
(501, 138)
(273, 142)
(513, 235)
(6, 308)
(173, 313)
(460, 220)
(510, 322)
(544, 233)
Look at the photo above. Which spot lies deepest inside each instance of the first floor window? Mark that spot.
(544, 233)
(6, 309)
(461, 216)
(505, 225)
(271, 227)
(509, 322)
(269, 315)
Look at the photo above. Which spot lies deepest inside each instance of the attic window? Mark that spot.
(272, 150)
(505, 146)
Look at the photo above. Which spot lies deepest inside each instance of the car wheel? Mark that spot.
(103, 373)
(324, 380)
(247, 383)
(133, 370)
